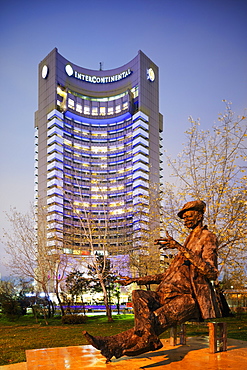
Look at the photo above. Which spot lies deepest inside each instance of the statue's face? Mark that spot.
(192, 218)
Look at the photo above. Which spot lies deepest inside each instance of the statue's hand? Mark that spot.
(168, 242)
(125, 281)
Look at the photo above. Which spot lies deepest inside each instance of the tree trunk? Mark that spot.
(44, 309)
(83, 306)
(45, 316)
(52, 308)
(59, 302)
(106, 301)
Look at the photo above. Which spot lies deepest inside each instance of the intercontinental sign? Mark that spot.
(96, 79)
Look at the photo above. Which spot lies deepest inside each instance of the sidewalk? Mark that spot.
(193, 356)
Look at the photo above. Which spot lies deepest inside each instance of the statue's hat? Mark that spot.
(197, 205)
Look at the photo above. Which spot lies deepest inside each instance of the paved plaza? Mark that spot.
(192, 356)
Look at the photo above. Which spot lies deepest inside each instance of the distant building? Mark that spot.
(236, 299)
(98, 145)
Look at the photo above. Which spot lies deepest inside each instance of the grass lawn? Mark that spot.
(22, 334)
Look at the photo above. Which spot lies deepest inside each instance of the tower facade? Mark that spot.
(97, 138)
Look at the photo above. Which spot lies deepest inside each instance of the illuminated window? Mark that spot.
(97, 188)
(116, 204)
(118, 108)
(110, 110)
(125, 105)
(99, 196)
(86, 109)
(99, 149)
(114, 188)
(135, 92)
(67, 142)
(102, 111)
(71, 103)
(67, 251)
(117, 211)
(120, 147)
(79, 108)
(94, 111)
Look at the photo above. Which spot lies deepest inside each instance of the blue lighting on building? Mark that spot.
(101, 121)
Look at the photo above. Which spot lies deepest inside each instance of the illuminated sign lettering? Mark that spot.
(96, 79)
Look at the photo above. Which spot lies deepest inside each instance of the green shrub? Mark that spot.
(74, 319)
(11, 308)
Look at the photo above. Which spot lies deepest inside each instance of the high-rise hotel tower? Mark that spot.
(97, 140)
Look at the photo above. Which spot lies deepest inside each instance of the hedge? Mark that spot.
(74, 319)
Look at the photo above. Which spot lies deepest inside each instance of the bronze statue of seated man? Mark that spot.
(184, 291)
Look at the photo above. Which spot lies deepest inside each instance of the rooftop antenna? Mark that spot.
(100, 66)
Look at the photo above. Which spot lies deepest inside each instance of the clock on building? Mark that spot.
(45, 71)
(150, 74)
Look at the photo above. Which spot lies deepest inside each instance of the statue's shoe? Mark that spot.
(106, 345)
(96, 342)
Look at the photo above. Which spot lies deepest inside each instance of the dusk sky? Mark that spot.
(200, 48)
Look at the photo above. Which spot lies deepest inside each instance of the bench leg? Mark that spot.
(173, 336)
(223, 336)
(213, 336)
(182, 334)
